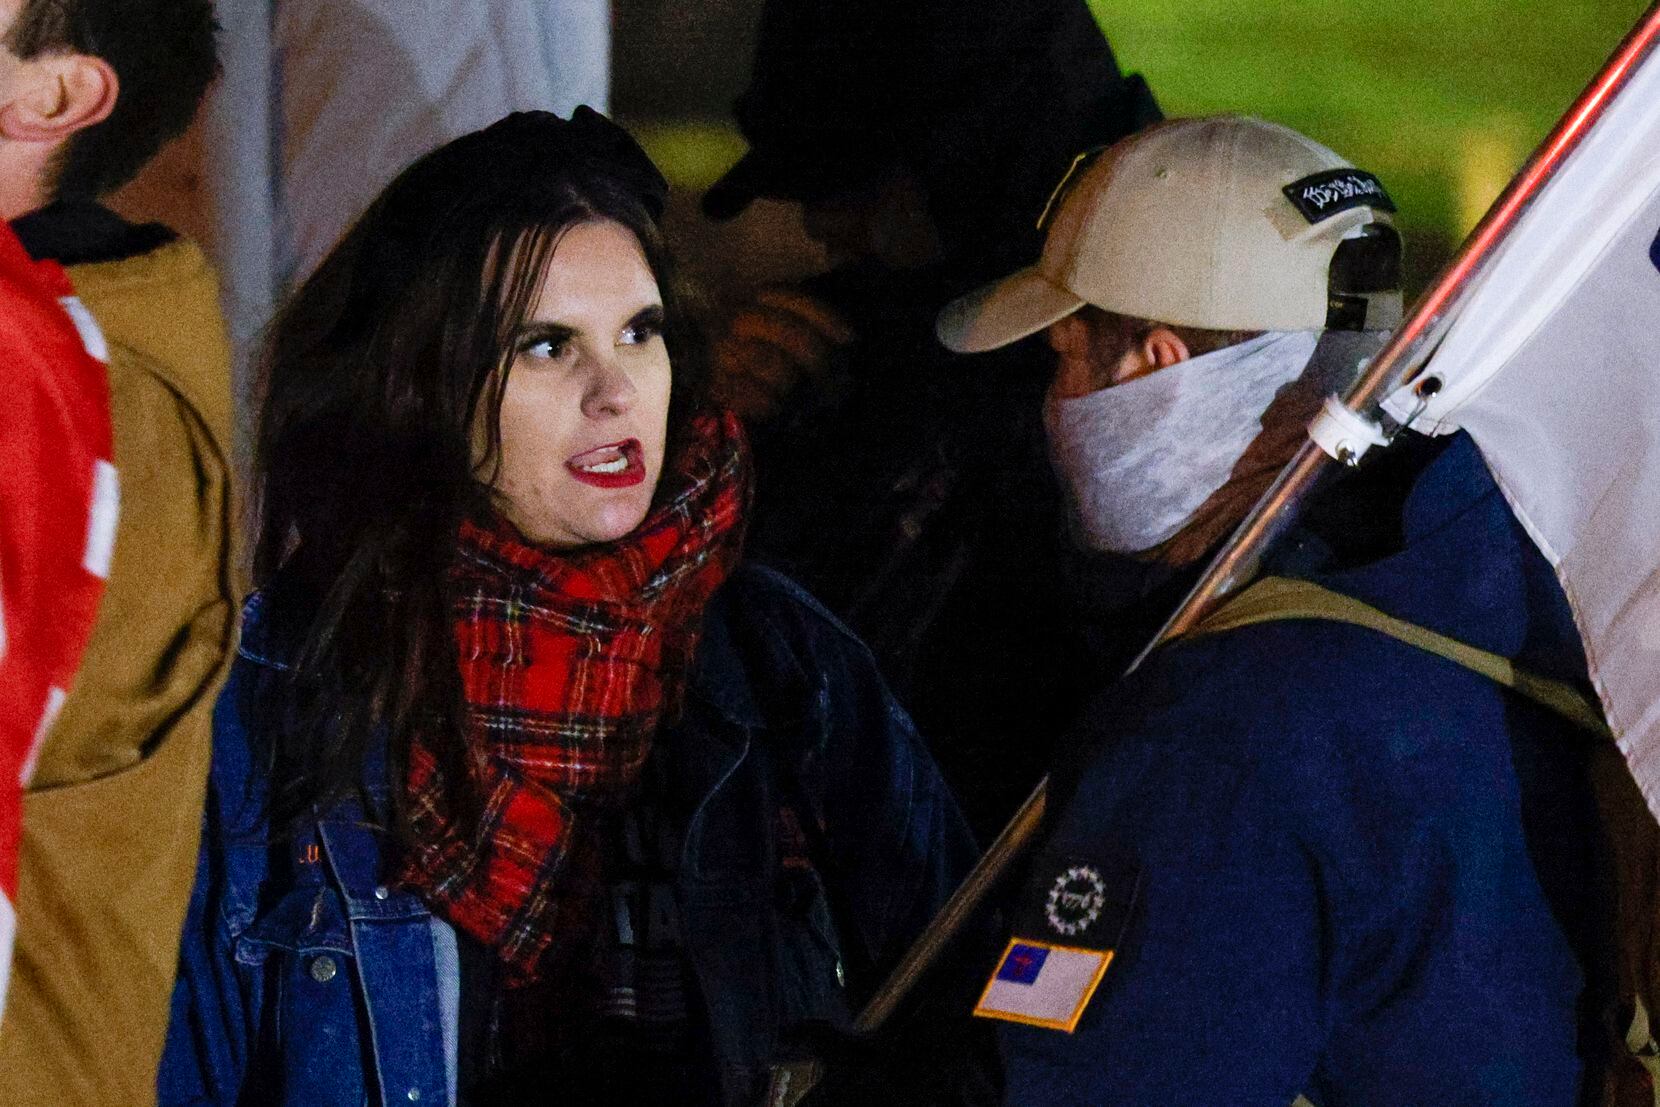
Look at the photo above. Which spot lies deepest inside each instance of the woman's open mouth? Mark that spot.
(618, 465)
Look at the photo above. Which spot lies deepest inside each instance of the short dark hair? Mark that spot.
(164, 53)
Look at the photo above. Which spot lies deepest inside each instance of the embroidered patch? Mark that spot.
(1085, 901)
(1324, 195)
(1081, 900)
(1075, 900)
(1043, 985)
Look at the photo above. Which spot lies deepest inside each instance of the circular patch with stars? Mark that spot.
(1075, 900)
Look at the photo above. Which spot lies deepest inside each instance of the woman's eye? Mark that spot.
(636, 334)
(549, 349)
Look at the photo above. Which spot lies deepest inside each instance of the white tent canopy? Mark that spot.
(324, 101)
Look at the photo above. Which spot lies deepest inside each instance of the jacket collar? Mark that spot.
(1463, 570)
(718, 678)
(260, 642)
(81, 232)
(751, 667)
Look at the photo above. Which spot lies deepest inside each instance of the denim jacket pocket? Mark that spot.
(303, 948)
(307, 922)
(765, 965)
(812, 972)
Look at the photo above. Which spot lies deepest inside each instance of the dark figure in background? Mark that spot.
(906, 486)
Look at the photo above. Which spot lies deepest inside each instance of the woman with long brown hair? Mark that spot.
(524, 787)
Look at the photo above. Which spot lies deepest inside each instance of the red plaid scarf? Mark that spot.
(569, 661)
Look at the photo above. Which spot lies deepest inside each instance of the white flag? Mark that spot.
(1553, 367)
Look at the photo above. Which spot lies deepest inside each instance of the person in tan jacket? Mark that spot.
(90, 90)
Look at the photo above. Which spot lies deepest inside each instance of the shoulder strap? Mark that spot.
(1275, 599)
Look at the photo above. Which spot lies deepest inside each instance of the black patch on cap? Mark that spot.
(1336, 190)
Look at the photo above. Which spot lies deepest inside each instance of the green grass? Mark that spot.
(1443, 99)
(691, 155)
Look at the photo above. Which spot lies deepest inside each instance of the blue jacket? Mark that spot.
(305, 980)
(1352, 866)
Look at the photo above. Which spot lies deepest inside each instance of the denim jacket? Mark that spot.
(305, 979)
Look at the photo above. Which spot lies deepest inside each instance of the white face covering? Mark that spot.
(1139, 459)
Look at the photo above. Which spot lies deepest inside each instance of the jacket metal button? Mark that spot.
(323, 969)
(841, 974)
(414, 1094)
(382, 892)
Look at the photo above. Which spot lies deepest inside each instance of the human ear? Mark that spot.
(58, 95)
(1159, 349)
(1163, 348)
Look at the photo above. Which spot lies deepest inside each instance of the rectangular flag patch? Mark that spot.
(1043, 985)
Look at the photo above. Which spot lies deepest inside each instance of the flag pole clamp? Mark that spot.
(1345, 434)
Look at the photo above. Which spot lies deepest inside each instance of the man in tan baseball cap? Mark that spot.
(1189, 275)
(1292, 854)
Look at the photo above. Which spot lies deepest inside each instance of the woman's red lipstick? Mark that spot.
(615, 465)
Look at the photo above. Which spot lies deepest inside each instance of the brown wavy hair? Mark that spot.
(374, 375)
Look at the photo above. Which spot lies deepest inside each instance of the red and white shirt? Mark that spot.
(58, 502)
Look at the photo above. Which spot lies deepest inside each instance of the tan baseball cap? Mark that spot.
(1227, 223)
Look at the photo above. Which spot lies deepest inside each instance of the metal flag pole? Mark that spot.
(1398, 364)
